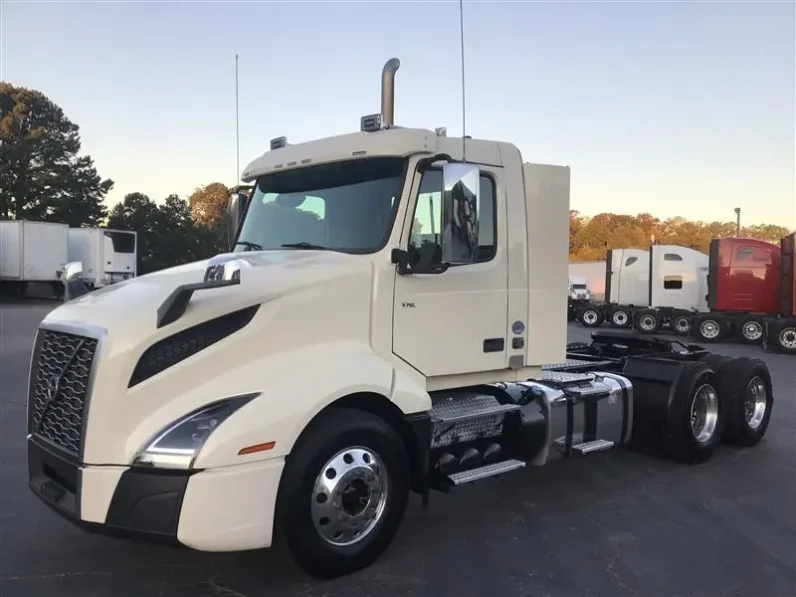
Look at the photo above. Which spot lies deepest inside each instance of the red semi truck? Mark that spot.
(750, 294)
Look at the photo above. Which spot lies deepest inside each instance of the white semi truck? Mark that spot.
(107, 256)
(340, 357)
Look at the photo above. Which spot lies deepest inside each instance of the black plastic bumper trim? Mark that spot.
(145, 506)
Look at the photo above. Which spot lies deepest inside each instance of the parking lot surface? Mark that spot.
(611, 524)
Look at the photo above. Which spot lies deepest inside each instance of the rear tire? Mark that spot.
(344, 493)
(695, 421)
(620, 318)
(747, 398)
(648, 321)
(681, 324)
(785, 339)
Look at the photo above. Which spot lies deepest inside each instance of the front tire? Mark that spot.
(590, 317)
(344, 492)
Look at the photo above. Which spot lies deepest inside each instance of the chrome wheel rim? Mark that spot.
(755, 402)
(349, 496)
(647, 322)
(590, 317)
(709, 329)
(787, 338)
(752, 330)
(704, 413)
(681, 324)
(620, 318)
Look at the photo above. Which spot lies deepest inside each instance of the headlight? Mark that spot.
(178, 445)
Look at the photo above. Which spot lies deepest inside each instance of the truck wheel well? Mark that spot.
(382, 407)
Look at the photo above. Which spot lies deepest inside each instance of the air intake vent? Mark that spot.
(188, 342)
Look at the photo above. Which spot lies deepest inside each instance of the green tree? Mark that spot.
(41, 175)
(167, 233)
(139, 213)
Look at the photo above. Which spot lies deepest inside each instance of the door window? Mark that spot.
(425, 241)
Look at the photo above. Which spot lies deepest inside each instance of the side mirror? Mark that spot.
(70, 278)
(235, 211)
(461, 185)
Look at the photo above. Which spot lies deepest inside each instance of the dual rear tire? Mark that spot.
(718, 399)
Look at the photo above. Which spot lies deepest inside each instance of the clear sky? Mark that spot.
(672, 108)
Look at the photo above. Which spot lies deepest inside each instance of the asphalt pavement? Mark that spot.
(611, 524)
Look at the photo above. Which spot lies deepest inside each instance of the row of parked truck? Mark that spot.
(744, 289)
(36, 252)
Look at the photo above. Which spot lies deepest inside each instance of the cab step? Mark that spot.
(486, 471)
(583, 448)
(466, 417)
(450, 409)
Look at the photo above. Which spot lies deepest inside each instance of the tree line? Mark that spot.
(43, 177)
(590, 238)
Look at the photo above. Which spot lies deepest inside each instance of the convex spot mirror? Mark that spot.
(461, 184)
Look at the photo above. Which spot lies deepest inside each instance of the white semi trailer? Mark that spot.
(300, 386)
(31, 252)
(107, 256)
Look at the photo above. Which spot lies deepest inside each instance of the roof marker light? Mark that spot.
(370, 123)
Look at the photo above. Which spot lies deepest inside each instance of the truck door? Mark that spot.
(456, 321)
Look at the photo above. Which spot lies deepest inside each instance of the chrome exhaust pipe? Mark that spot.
(388, 91)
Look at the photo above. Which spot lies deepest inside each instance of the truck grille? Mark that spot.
(59, 384)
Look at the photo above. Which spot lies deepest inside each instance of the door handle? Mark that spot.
(494, 344)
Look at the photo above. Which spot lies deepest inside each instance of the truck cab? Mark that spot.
(579, 289)
(389, 318)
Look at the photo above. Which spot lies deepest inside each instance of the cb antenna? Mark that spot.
(464, 103)
(237, 125)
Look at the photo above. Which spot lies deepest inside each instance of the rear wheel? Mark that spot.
(620, 318)
(681, 324)
(696, 415)
(747, 398)
(786, 338)
(344, 493)
(648, 322)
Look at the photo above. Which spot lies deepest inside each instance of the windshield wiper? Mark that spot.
(249, 246)
(304, 245)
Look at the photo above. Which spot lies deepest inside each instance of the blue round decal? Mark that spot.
(518, 327)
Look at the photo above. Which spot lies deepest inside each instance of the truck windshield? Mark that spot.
(344, 206)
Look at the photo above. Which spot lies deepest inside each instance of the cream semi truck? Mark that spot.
(390, 319)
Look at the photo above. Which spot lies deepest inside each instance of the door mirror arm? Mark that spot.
(400, 258)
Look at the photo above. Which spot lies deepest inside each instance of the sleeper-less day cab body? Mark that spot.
(390, 318)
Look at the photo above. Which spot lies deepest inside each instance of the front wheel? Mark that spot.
(590, 317)
(344, 492)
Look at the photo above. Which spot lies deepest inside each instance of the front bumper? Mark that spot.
(224, 509)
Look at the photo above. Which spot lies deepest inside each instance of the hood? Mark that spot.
(273, 273)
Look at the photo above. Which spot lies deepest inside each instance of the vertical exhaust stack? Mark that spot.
(388, 91)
